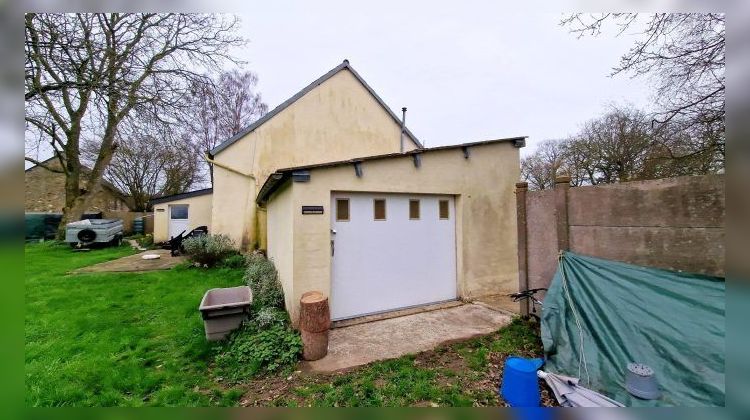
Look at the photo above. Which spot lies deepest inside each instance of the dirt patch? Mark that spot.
(263, 392)
(442, 359)
(425, 404)
(476, 380)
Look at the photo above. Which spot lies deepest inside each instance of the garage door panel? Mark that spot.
(394, 263)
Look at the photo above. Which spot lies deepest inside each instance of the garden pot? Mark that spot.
(223, 310)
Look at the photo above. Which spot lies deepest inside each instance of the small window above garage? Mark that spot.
(414, 209)
(444, 210)
(342, 209)
(378, 206)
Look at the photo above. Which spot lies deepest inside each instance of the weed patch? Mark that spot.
(251, 351)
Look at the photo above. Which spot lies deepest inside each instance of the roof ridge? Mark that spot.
(320, 80)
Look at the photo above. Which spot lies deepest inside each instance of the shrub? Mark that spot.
(263, 280)
(146, 240)
(209, 250)
(251, 351)
(234, 261)
(268, 316)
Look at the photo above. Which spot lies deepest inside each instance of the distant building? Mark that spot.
(45, 192)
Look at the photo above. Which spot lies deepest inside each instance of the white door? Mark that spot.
(391, 251)
(178, 219)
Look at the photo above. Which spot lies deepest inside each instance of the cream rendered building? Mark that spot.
(381, 233)
(346, 201)
(181, 213)
(336, 117)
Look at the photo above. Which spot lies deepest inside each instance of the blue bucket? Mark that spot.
(520, 387)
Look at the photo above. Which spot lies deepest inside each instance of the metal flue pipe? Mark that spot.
(403, 127)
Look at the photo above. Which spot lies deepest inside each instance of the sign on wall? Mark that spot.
(312, 209)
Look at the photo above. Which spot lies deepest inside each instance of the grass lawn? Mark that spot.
(126, 339)
(133, 339)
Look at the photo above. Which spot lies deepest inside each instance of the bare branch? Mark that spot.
(43, 165)
(89, 72)
(684, 53)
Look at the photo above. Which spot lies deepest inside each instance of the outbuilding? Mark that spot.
(179, 213)
(347, 201)
(398, 230)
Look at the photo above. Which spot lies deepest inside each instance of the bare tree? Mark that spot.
(578, 161)
(684, 51)
(151, 160)
(224, 108)
(681, 148)
(684, 54)
(618, 142)
(621, 145)
(86, 73)
(541, 168)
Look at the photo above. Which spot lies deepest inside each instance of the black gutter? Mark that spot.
(174, 197)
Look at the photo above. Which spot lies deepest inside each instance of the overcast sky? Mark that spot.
(464, 74)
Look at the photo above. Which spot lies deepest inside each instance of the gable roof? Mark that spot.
(44, 162)
(278, 178)
(85, 169)
(343, 66)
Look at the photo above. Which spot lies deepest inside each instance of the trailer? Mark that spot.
(94, 231)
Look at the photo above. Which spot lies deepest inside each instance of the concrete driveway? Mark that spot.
(394, 337)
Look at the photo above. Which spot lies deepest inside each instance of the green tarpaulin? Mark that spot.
(674, 322)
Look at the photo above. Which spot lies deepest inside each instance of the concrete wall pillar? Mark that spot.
(523, 279)
(562, 185)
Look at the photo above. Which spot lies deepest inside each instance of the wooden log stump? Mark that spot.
(314, 314)
(314, 345)
(314, 322)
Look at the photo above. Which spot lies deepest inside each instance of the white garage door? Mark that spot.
(391, 251)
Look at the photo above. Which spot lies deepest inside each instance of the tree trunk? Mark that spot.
(72, 213)
(74, 205)
(77, 198)
(314, 345)
(315, 316)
